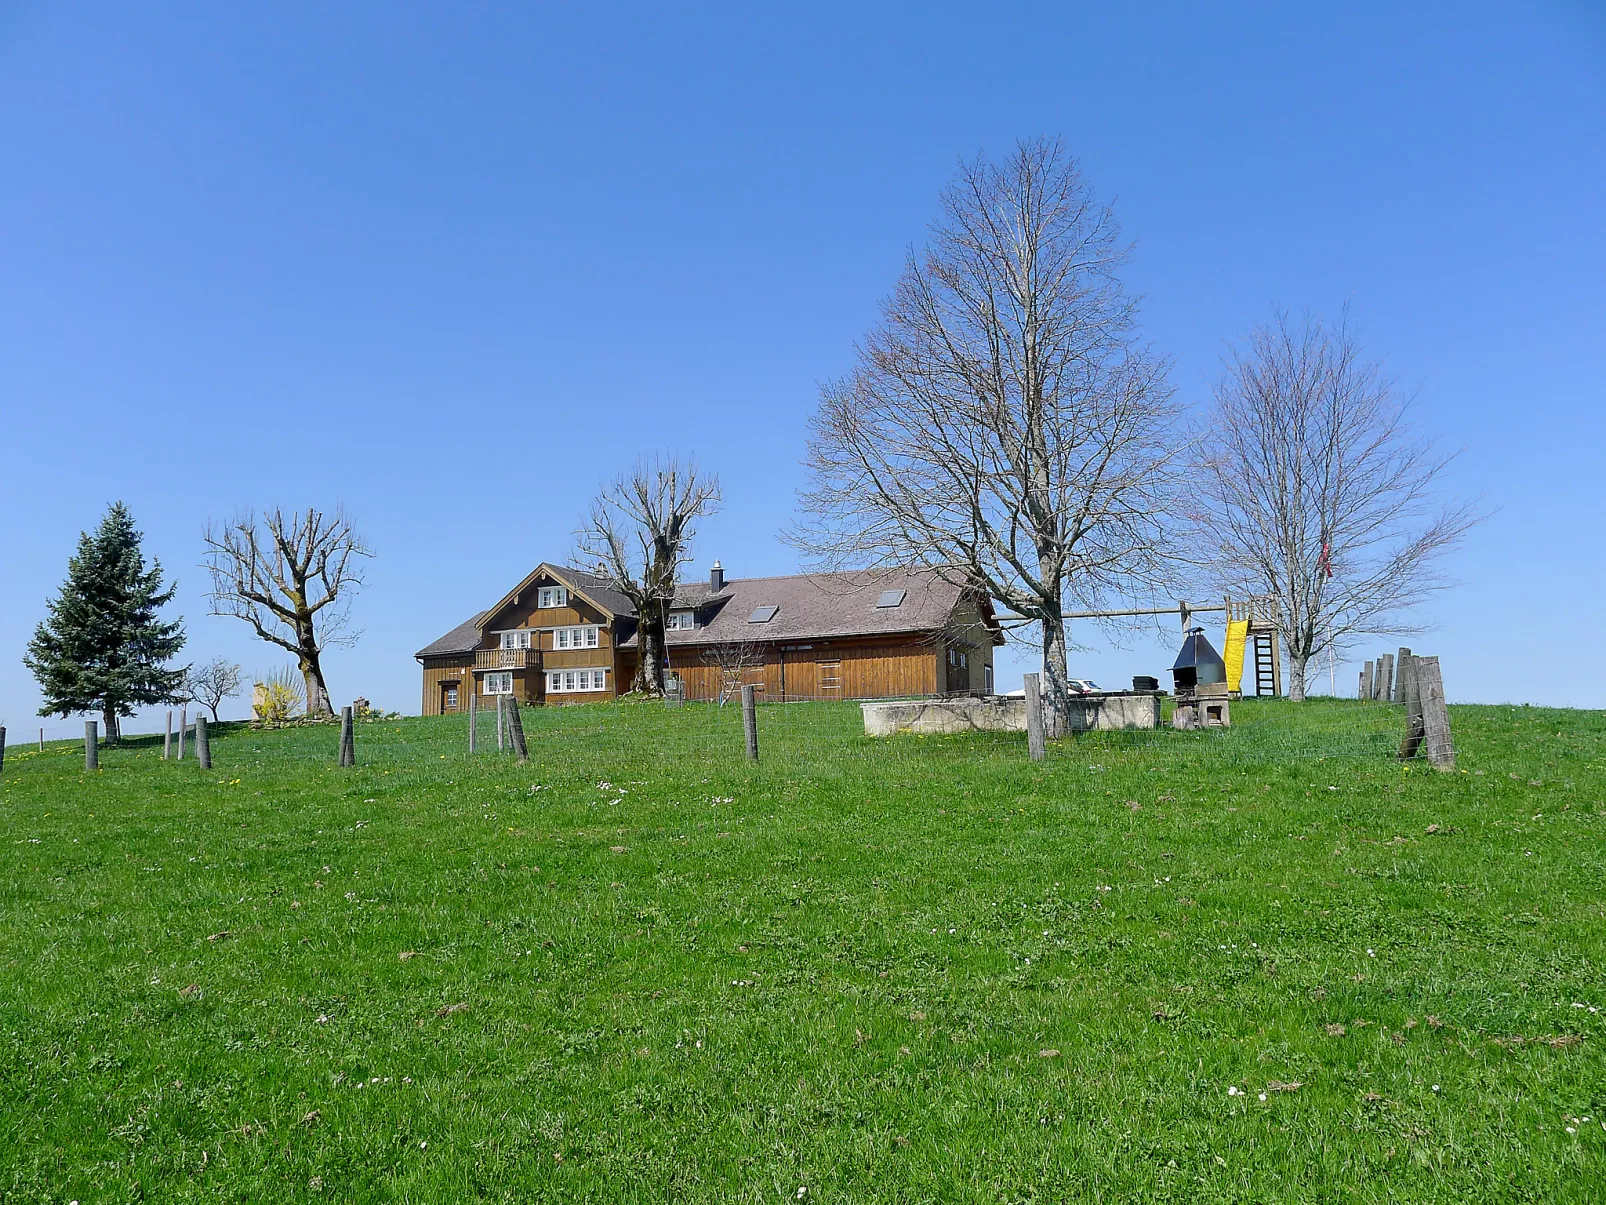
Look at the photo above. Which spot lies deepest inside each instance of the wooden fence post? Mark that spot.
(1399, 663)
(1036, 748)
(2, 748)
(1385, 678)
(41, 740)
(515, 728)
(348, 744)
(473, 718)
(167, 740)
(1412, 699)
(1435, 714)
(750, 720)
(183, 725)
(203, 742)
(1366, 680)
(91, 746)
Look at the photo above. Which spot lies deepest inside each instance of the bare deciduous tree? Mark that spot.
(1317, 493)
(213, 682)
(1003, 425)
(732, 659)
(291, 578)
(639, 532)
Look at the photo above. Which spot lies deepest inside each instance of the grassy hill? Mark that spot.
(1266, 964)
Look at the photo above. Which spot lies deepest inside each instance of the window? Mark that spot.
(570, 681)
(680, 621)
(987, 677)
(574, 638)
(516, 640)
(552, 596)
(449, 700)
(763, 614)
(891, 598)
(499, 684)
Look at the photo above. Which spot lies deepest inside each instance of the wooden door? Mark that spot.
(449, 697)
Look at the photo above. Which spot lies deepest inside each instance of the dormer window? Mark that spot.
(680, 621)
(763, 614)
(552, 596)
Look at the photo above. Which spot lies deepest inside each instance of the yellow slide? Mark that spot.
(1237, 637)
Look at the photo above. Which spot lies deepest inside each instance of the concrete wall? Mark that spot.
(1001, 714)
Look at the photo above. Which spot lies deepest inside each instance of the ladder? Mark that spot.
(1268, 670)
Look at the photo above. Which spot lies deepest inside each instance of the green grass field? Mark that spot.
(1238, 966)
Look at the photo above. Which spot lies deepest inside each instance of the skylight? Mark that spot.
(891, 598)
(763, 614)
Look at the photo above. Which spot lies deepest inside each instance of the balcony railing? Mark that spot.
(507, 659)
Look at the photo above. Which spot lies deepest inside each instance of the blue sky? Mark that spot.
(451, 266)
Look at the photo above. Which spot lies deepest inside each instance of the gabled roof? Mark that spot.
(589, 586)
(819, 606)
(809, 606)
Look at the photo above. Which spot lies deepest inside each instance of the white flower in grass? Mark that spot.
(1233, 1090)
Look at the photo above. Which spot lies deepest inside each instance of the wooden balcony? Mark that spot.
(507, 659)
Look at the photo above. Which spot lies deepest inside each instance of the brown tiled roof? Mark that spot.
(464, 638)
(811, 606)
(816, 606)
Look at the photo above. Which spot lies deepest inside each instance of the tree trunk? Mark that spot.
(108, 721)
(650, 654)
(317, 693)
(1296, 676)
(213, 708)
(1056, 692)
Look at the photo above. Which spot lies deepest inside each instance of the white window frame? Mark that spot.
(587, 680)
(548, 597)
(681, 621)
(514, 638)
(987, 674)
(586, 637)
(499, 683)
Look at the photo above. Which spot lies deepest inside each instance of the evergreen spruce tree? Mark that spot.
(104, 647)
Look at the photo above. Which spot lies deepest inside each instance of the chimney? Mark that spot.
(716, 578)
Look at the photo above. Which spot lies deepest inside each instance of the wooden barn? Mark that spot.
(564, 635)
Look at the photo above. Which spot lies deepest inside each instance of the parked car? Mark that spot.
(1083, 686)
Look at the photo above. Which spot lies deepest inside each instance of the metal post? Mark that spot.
(348, 746)
(1035, 745)
(750, 720)
(473, 720)
(183, 725)
(501, 721)
(41, 740)
(167, 741)
(91, 746)
(515, 728)
(1435, 714)
(2, 748)
(203, 742)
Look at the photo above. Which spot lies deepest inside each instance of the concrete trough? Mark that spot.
(1104, 712)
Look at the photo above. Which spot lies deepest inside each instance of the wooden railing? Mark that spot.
(507, 659)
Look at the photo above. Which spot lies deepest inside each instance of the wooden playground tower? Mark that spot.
(1251, 626)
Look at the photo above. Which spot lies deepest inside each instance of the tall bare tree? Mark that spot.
(1003, 425)
(639, 532)
(1317, 493)
(291, 578)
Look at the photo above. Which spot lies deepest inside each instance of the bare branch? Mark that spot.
(1003, 424)
(291, 578)
(1315, 491)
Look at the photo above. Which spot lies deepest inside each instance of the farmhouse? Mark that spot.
(564, 635)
